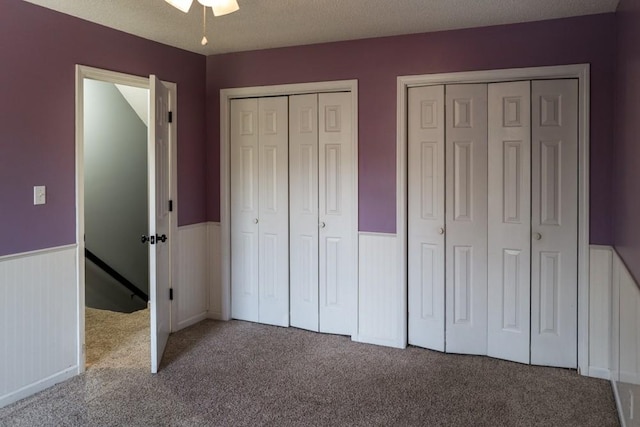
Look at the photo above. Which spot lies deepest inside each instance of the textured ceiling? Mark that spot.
(262, 24)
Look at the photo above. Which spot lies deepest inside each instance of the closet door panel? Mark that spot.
(337, 248)
(509, 219)
(426, 217)
(244, 209)
(466, 218)
(303, 208)
(273, 219)
(554, 275)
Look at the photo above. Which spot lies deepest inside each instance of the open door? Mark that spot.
(159, 220)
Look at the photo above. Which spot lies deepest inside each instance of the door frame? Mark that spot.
(82, 72)
(576, 71)
(226, 95)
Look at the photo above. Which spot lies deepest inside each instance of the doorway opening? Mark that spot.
(125, 192)
(116, 198)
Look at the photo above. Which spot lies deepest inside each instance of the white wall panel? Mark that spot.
(601, 270)
(214, 269)
(191, 291)
(625, 342)
(380, 315)
(39, 318)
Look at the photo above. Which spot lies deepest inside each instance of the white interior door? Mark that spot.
(244, 209)
(466, 214)
(273, 207)
(426, 217)
(338, 257)
(554, 261)
(303, 210)
(509, 217)
(159, 220)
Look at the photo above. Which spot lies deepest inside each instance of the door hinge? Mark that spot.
(170, 119)
(170, 205)
(171, 294)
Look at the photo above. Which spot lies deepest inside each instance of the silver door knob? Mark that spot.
(323, 225)
(537, 236)
(441, 230)
(255, 220)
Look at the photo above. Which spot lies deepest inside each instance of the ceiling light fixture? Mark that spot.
(219, 7)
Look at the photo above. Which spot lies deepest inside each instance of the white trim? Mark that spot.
(191, 320)
(376, 234)
(579, 71)
(225, 200)
(196, 225)
(173, 195)
(602, 373)
(85, 72)
(37, 386)
(37, 252)
(616, 396)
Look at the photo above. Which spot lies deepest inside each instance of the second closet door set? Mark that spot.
(292, 245)
(492, 219)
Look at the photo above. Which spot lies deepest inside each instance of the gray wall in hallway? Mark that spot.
(115, 154)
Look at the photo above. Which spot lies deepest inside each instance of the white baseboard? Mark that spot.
(37, 386)
(601, 373)
(192, 320)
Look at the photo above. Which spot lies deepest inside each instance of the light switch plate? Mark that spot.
(39, 195)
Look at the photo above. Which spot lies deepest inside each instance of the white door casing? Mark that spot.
(273, 208)
(426, 216)
(554, 274)
(244, 206)
(84, 72)
(509, 218)
(337, 205)
(466, 219)
(303, 211)
(159, 219)
(581, 74)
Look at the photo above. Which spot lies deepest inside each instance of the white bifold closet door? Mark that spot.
(554, 224)
(260, 210)
(303, 211)
(492, 220)
(323, 265)
(426, 218)
(509, 220)
(466, 219)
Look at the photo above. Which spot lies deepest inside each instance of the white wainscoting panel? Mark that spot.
(600, 277)
(39, 321)
(624, 340)
(380, 306)
(191, 292)
(214, 269)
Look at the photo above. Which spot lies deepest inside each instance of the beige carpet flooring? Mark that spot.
(117, 340)
(244, 374)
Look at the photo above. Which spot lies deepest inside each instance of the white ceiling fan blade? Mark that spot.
(183, 5)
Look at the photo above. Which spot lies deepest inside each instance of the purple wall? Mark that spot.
(377, 62)
(39, 49)
(626, 175)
